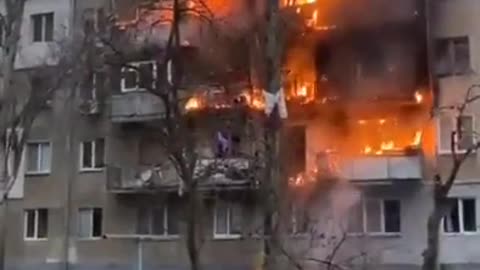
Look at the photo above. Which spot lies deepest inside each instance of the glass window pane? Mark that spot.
(130, 79)
(451, 221)
(465, 139)
(392, 215)
(97, 222)
(442, 57)
(355, 219)
(99, 153)
(84, 222)
(87, 161)
(236, 219)
(158, 225)
(42, 223)
(373, 216)
(221, 218)
(30, 223)
(469, 215)
(37, 27)
(446, 129)
(48, 27)
(45, 157)
(146, 75)
(32, 161)
(143, 221)
(173, 219)
(462, 55)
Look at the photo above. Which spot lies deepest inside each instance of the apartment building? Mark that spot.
(93, 197)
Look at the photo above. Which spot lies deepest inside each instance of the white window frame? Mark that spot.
(382, 218)
(35, 225)
(91, 211)
(453, 121)
(38, 143)
(93, 157)
(43, 16)
(459, 202)
(228, 234)
(123, 87)
(453, 57)
(150, 217)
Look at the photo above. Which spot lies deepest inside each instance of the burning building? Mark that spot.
(360, 81)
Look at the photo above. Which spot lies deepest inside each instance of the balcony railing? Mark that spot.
(227, 173)
(135, 106)
(381, 168)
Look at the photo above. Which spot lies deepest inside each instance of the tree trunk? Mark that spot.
(192, 223)
(441, 207)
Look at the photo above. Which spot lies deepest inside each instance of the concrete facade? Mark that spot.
(66, 188)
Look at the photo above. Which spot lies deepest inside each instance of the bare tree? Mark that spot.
(442, 184)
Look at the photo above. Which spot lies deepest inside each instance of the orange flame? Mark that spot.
(193, 104)
(418, 97)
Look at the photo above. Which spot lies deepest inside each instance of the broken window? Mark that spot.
(90, 222)
(296, 143)
(36, 224)
(452, 56)
(227, 220)
(39, 157)
(375, 216)
(462, 217)
(92, 154)
(138, 76)
(163, 221)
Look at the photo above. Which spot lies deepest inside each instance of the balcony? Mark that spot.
(135, 106)
(373, 168)
(228, 173)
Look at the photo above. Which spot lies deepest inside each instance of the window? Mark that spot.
(36, 224)
(300, 220)
(92, 154)
(140, 76)
(162, 221)
(42, 27)
(374, 216)
(452, 56)
(39, 157)
(90, 222)
(464, 139)
(227, 220)
(462, 217)
(94, 20)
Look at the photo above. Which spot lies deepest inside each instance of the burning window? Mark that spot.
(464, 132)
(138, 76)
(375, 216)
(462, 217)
(452, 56)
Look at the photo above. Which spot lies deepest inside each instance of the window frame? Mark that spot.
(459, 203)
(165, 218)
(36, 212)
(228, 235)
(93, 157)
(364, 222)
(453, 122)
(39, 155)
(452, 56)
(137, 87)
(43, 27)
(91, 211)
